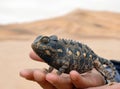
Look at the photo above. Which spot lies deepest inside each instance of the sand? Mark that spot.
(14, 57)
(79, 23)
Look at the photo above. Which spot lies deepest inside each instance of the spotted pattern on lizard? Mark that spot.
(66, 55)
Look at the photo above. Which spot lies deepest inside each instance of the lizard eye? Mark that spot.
(45, 39)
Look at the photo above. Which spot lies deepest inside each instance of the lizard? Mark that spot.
(66, 55)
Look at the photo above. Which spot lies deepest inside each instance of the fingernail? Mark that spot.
(73, 75)
(24, 73)
(51, 78)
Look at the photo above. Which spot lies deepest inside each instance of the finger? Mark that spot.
(60, 82)
(79, 81)
(40, 78)
(95, 78)
(27, 73)
(37, 76)
(84, 81)
(34, 56)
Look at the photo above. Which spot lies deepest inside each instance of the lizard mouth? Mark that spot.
(37, 47)
(34, 46)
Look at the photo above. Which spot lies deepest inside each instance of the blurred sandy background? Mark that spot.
(100, 30)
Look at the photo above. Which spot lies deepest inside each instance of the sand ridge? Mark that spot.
(77, 24)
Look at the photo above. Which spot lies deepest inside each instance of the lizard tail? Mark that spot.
(108, 64)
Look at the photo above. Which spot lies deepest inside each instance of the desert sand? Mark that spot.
(14, 57)
(99, 30)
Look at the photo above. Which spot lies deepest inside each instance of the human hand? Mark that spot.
(65, 81)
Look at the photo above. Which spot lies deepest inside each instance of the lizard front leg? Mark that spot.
(50, 69)
(63, 68)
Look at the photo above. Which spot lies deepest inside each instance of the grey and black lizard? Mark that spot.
(66, 55)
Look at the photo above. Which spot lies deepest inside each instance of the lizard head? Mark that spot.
(48, 47)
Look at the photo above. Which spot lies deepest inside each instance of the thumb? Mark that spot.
(86, 80)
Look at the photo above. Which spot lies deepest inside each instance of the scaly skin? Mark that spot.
(66, 55)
